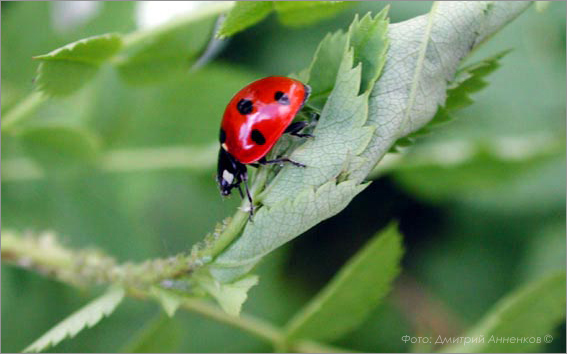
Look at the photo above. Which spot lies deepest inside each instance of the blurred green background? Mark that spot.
(481, 201)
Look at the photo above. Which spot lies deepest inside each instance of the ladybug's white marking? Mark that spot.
(223, 145)
(227, 176)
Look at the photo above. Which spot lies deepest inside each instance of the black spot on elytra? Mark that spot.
(244, 106)
(258, 137)
(281, 98)
(222, 136)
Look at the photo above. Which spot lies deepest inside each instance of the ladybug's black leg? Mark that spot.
(295, 128)
(249, 199)
(240, 191)
(243, 177)
(280, 160)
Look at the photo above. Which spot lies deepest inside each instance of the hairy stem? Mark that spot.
(88, 267)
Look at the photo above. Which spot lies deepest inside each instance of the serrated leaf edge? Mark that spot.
(81, 319)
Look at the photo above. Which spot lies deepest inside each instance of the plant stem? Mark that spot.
(250, 324)
(239, 219)
(30, 252)
(258, 327)
(88, 267)
(125, 161)
(22, 110)
(45, 255)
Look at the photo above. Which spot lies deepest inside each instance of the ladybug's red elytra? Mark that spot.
(254, 120)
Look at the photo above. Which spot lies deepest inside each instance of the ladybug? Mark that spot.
(255, 118)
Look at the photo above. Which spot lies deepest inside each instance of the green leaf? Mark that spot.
(423, 57)
(88, 316)
(93, 50)
(368, 38)
(272, 227)
(322, 73)
(301, 13)
(533, 311)
(68, 68)
(469, 80)
(299, 198)
(168, 300)
(159, 335)
(244, 14)
(230, 296)
(340, 134)
(354, 132)
(60, 146)
(353, 293)
(292, 13)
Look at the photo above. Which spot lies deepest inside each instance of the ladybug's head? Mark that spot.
(230, 172)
